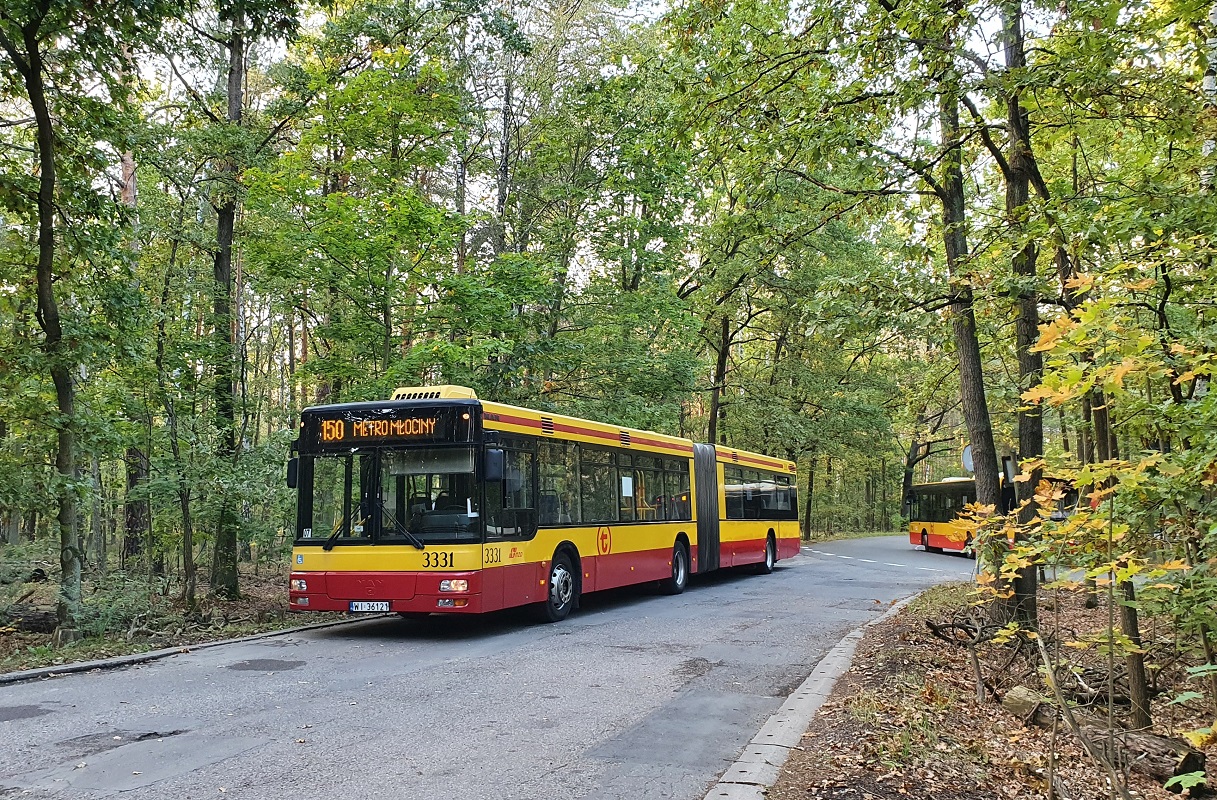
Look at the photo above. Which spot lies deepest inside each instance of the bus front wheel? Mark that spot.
(560, 590)
(680, 570)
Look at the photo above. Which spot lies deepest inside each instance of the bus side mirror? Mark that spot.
(293, 472)
(495, 462)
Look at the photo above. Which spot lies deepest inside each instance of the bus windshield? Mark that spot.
(415, 496)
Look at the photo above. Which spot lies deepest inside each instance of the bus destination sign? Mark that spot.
(334, 431)
(361, 425)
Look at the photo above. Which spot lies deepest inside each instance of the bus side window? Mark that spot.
(558, 474)
(733, 489)
(676, 486)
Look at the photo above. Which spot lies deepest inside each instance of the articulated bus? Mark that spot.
(935, 512)
(436, 501)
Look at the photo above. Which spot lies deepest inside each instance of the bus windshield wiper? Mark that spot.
(329, 542)
(399, 526)
(411, 538)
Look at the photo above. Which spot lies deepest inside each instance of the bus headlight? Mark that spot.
(299, 585)
(454, 586)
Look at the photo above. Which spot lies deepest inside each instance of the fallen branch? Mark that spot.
(969, 632)
(1159, 757)
(1067, 713)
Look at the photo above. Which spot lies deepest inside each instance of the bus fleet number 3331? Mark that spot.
(435, 501)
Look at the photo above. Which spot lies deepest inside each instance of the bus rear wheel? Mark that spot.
(771, 557)
(680, 570)
(559, 590)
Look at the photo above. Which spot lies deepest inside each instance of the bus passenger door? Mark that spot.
(511, 523)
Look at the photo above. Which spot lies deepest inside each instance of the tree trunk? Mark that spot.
(1029, 706)
(811, 487)
(1138, 683)
(224, 580)
(1102, 430)
(12, 527)
(963, 320)
(30, 618)
(189, 570)
(386, 320)
(911, 460)
(869, 492)
(29, 65)
(135, 509)
(462, 243)
(720, 373)
(1159, 757)
(1021, 606)
(885, 514)
(504, 166)
(97, 529)
(831, 516)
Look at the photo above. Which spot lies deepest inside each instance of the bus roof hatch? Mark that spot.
(445, 392)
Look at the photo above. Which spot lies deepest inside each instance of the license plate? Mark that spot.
(369, 605)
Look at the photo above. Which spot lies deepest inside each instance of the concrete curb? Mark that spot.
(117, 662)
(758, 767)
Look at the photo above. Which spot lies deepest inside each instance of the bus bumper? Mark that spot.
(396, 592)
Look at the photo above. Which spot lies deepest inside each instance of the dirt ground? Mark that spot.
(147, 616)
(904, 722)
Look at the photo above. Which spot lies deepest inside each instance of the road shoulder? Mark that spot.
(760, 765)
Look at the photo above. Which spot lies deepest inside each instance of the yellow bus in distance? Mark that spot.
(935, 512)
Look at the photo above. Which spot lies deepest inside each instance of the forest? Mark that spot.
(858, 235)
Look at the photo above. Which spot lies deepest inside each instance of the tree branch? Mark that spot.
(190, 90)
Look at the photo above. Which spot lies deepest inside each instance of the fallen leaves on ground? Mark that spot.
(904, 722)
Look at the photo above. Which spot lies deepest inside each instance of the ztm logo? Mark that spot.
(604, 540)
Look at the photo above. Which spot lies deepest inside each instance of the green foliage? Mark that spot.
(1188, 780)
(121, 602)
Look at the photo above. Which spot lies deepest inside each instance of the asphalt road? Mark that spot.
(637, 695)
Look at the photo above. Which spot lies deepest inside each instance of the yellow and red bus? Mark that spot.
(436, 501)
(935, 511)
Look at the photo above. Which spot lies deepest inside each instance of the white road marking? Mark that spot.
(869, 561)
